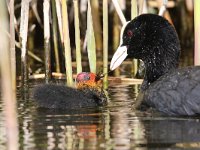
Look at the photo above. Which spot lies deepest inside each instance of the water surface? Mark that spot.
(116, 126)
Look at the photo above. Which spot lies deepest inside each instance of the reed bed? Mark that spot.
(63, 36)
(58, 34)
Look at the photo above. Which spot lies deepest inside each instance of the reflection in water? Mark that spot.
(116, 126)
(173, 130)
(2, 130)
(69, 129)
(125, 132)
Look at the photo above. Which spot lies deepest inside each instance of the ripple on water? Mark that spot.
(116, 126)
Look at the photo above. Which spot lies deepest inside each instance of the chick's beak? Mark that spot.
(118, 57)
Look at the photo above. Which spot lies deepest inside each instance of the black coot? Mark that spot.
(154, 40)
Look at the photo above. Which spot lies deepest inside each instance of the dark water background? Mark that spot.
(116, 126)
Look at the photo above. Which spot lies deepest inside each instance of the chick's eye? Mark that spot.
(87, 78)
(129, 33)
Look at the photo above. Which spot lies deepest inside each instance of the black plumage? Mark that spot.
(88, 94)
(154, 40)
(60, 96)
(175, 93)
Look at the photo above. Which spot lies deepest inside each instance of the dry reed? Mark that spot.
(12, 44)
(59, 17)
(23, 41)
(77, 37)
(105, 42)
(47, 55)
(134, 13)
(8, 96)
(197, 31)
(55, 35)
(67, 47)
(91, 45)
(96, 24)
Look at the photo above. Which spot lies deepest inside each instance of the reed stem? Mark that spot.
(119, 11)
(35, 57)
(134, 13)
(105, 43)
(163, 7)
(59, 17)
(77, 37)
(116, 37)
(12, 45)
(134, 9)
(96, 24)
(197, 32)
(55, 36)
(47, 54)
(8, 96)
(67, 47)
(141, 5)
(23, 40)
(91, 46)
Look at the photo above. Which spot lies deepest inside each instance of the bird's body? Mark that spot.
(178, 92)
(88, 93)
(154, 40)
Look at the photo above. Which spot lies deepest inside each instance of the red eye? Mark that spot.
(129, 33)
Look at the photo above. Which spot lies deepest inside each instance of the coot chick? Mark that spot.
(88, 93)
(154, 40)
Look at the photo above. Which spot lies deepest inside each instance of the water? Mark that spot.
(116, 126)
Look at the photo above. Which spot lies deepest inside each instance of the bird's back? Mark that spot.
(176, 93)
(63, 97)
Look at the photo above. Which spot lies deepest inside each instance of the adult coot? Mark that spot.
(88, 93)
(166, 88)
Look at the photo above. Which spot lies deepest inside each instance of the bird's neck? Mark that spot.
(158, 64)
(90, 85)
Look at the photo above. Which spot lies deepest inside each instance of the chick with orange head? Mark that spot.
(88, 80)
(88, 93)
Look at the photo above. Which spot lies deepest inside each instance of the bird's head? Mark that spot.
(88, 80)
(146, 37)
